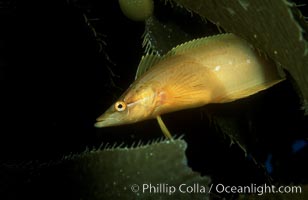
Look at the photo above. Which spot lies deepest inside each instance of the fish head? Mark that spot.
(137, 104)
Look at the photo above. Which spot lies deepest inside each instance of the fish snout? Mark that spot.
(108, 119)
(101, 121)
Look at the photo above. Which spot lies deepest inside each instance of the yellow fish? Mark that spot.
(215, 69)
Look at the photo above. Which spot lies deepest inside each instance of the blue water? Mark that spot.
(268, 164)
(298, 145)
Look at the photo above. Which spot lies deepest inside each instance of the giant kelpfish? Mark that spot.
(214, 69)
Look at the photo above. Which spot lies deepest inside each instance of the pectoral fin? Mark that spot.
(164, 128)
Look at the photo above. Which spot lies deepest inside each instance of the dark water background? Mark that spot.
(55, 81)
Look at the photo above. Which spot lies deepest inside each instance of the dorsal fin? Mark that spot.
(146, 62)
(182, 48)
(149, 60)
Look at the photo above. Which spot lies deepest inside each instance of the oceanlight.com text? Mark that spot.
(163, 188)
(258, 189)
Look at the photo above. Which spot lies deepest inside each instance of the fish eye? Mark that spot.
(120, 106)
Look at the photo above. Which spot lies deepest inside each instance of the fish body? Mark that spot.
(216, 69)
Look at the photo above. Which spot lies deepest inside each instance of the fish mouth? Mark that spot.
(106, 121)
(102, 121)
(99, 124)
